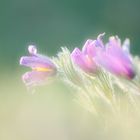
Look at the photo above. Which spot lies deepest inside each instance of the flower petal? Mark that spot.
(126, 46)
(118, 53)
(35, 62)
(90, 48)
(99, 41)
(78, 57)
(114, 41)
(115, 64)
(83, 61)
(34, 78)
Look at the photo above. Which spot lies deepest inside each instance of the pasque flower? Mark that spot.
(116, 57)
(84, 59)
(112, 56)
(42, 67)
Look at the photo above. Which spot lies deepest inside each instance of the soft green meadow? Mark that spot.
(52, 112)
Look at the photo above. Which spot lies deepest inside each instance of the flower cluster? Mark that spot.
(95, 55)
(112, 56)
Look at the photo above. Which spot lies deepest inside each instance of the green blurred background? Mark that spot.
(50, 24)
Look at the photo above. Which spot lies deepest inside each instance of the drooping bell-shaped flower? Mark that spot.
(42, 67)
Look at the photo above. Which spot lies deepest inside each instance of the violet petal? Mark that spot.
(83, 61)
(34, 78)
(34, 62)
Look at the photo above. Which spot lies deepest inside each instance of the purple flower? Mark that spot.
(84, 59)
(42, 67)
(115, 57)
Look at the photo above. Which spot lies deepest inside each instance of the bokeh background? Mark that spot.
(50, 24)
